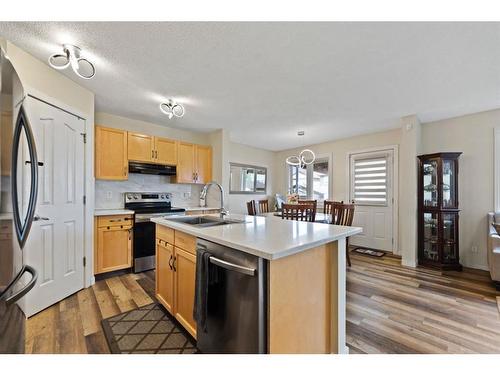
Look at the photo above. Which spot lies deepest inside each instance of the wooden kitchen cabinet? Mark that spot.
(113, 247)
(176, 274)
(185, 276)
(111, 161)
(165, 274)
(203, 172)
(194, 163)
(165, 151)
(140, 147)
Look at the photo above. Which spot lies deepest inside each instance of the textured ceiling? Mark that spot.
(265, 81)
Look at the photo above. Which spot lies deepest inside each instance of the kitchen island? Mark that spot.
(306, 276)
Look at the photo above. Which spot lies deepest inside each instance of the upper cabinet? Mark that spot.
(165, 151)
(115, 147)
(111, 161)
(140, 147)
(149, 149)
(194, 163)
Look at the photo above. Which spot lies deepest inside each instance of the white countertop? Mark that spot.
(112, 211)
(267, 237)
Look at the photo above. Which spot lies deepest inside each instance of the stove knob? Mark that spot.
(136, 196)
(129, 196)
(162, 196)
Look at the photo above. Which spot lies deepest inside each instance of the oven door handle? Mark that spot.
(232, 266)
(21, 293)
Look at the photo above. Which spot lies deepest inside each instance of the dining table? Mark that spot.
(319, 218)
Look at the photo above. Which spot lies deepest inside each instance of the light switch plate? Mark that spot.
(109, 195)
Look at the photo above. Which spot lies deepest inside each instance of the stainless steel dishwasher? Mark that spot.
(237, 303)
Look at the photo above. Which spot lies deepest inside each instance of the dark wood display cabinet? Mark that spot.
(438, 211)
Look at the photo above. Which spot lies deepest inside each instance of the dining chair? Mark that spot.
(310, 201)
(300, 212)
(263, 206)
(251, 208)
(328, 207)
(343, 214)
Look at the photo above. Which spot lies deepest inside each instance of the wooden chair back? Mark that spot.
(252, 210)
(314, 202)
(343, 214)
(328, 206)
(263, 206)
(300, 212)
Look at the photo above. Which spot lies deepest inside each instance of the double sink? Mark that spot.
(203, 221)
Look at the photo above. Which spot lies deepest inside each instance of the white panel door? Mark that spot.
(55, 245)
(371, 188)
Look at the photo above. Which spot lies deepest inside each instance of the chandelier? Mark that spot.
(71, 56)
(171, 109)
(306, 157)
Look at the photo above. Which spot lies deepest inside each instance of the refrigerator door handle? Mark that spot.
(23, 228)
(21, 293)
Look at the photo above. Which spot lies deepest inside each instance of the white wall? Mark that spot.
(50, 85)
(473, 135)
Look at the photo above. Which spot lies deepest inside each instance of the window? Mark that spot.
(370, 181)
(247, 179)
(311, 181)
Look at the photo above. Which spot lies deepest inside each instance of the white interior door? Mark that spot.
(371, 188)
(55, 245)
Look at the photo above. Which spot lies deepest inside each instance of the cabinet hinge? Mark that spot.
(84, 262)
(84, 135)
(84, 199)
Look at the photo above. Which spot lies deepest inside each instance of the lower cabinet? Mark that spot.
(185, 276)
(113, 249)
(176, 275)
(165, 274)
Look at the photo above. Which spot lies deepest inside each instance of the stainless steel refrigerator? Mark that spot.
(18, 195)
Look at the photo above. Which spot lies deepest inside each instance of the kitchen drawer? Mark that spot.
(165, 234)
(115, 220)
(185, 241)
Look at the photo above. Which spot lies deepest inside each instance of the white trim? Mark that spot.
(395, 186)
(89, 187)
(496, 163)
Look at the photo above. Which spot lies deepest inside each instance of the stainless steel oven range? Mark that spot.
(147, 206)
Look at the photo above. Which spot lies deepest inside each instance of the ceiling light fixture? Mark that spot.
(172, 108)
(305, 157)
(71, 55)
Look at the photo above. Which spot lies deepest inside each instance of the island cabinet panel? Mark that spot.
(176, 274)
(165, 274)
(185, 275)
(300, 302)
(113, 248)
(165, 151)
(140, 147)
(111, 161)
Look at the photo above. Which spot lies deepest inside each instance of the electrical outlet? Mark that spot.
(474, 249)
(187, 195)
(109, 195)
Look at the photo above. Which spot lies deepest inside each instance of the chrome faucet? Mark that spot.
(203, 196)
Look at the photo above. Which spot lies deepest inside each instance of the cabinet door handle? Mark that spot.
(125, 170)
(173, 264)
(170, 261)
(129, 234)
(156, 154)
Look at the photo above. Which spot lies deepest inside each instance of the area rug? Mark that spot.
(147, 330)
(369, 252)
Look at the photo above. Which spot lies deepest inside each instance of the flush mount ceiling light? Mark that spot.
(171, 109)
(71, 55)
(305, 157)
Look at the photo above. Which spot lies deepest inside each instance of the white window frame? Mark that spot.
(326, 157)
(496, 162)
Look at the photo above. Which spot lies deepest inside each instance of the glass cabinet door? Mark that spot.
(449, 237)
(430, 234)
(429, 175)
(449, 188)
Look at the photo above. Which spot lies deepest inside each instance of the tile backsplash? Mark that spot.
(109, 194)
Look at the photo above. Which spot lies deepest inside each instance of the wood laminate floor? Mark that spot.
(390, 309)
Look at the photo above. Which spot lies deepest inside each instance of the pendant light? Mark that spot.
(71, 56)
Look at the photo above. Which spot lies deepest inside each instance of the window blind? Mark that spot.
(370, 181)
